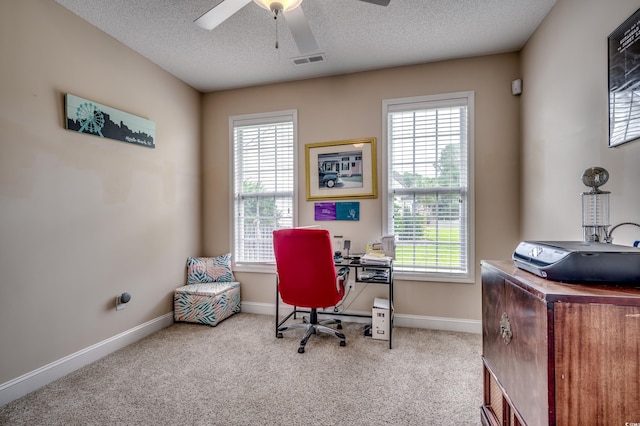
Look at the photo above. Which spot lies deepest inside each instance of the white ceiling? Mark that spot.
(353, 35)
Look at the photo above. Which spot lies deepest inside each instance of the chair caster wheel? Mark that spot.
(300, 350)
(339, 327)
(279, 335)
(343, 343)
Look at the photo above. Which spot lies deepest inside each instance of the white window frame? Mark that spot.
(249, 120)
(422, 102)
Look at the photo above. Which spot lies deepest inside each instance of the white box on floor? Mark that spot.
(381, 319)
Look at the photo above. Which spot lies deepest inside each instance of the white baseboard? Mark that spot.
(33, 380)
(439, 323)
(399, 320)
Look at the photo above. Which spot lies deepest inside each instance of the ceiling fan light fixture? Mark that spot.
(278, 5)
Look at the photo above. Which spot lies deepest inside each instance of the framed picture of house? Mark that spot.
(624, 81)
(341, 169)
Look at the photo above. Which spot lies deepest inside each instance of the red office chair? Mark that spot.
(307, 278)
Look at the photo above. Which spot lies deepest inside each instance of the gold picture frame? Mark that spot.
(341, 169)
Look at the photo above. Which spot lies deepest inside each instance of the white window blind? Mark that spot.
(428, 180)
(624, 116)
(263, 181)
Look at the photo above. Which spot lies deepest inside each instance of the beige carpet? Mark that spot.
(238, 373)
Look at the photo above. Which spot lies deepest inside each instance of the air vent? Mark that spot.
(310, 59)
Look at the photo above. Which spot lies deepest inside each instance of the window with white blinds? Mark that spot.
(263, 183)
(428, 198)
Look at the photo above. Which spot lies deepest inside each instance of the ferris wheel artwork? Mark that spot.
(89, 117)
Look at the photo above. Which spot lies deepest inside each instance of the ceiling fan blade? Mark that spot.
(378, 2)
(300, 30)
(220, 13)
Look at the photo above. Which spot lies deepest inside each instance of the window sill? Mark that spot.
(260, 269)
(397, 275)
(432, 277)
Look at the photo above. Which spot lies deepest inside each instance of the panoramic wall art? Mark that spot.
(624, 81)
(90, 117)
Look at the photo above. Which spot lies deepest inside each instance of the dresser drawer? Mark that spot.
(515, 346)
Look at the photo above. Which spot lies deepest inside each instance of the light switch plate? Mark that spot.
(516, 87)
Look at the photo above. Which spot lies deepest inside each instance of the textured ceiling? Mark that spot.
(353, 35)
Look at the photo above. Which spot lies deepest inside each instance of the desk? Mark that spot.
(358, 268)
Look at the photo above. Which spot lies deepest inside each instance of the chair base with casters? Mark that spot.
(311, 326)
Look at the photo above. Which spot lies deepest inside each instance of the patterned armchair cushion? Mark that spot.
(206, 303)
(209, 269)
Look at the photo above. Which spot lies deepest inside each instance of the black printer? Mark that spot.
(580, 261)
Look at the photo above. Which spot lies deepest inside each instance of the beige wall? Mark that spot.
(83, 219)
(350, 106)
(565, 123)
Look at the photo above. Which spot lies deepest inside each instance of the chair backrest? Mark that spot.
(306, 271)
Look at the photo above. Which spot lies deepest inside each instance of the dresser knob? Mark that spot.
(505, 329)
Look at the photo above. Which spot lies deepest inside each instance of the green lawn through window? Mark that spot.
(441, 248)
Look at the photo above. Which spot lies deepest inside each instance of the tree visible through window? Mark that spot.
(263, 175)
(427, 201)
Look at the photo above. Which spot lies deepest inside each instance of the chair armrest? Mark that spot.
(341, 277)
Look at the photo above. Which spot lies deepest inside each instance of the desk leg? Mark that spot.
(277, 305)
(391, 313)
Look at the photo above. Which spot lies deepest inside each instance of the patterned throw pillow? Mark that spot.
(209, 269)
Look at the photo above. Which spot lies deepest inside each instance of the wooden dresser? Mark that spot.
(558, 354)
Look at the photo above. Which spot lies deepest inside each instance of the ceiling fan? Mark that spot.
(293, 15)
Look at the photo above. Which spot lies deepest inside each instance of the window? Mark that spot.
(264, 147)
(428, 203)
